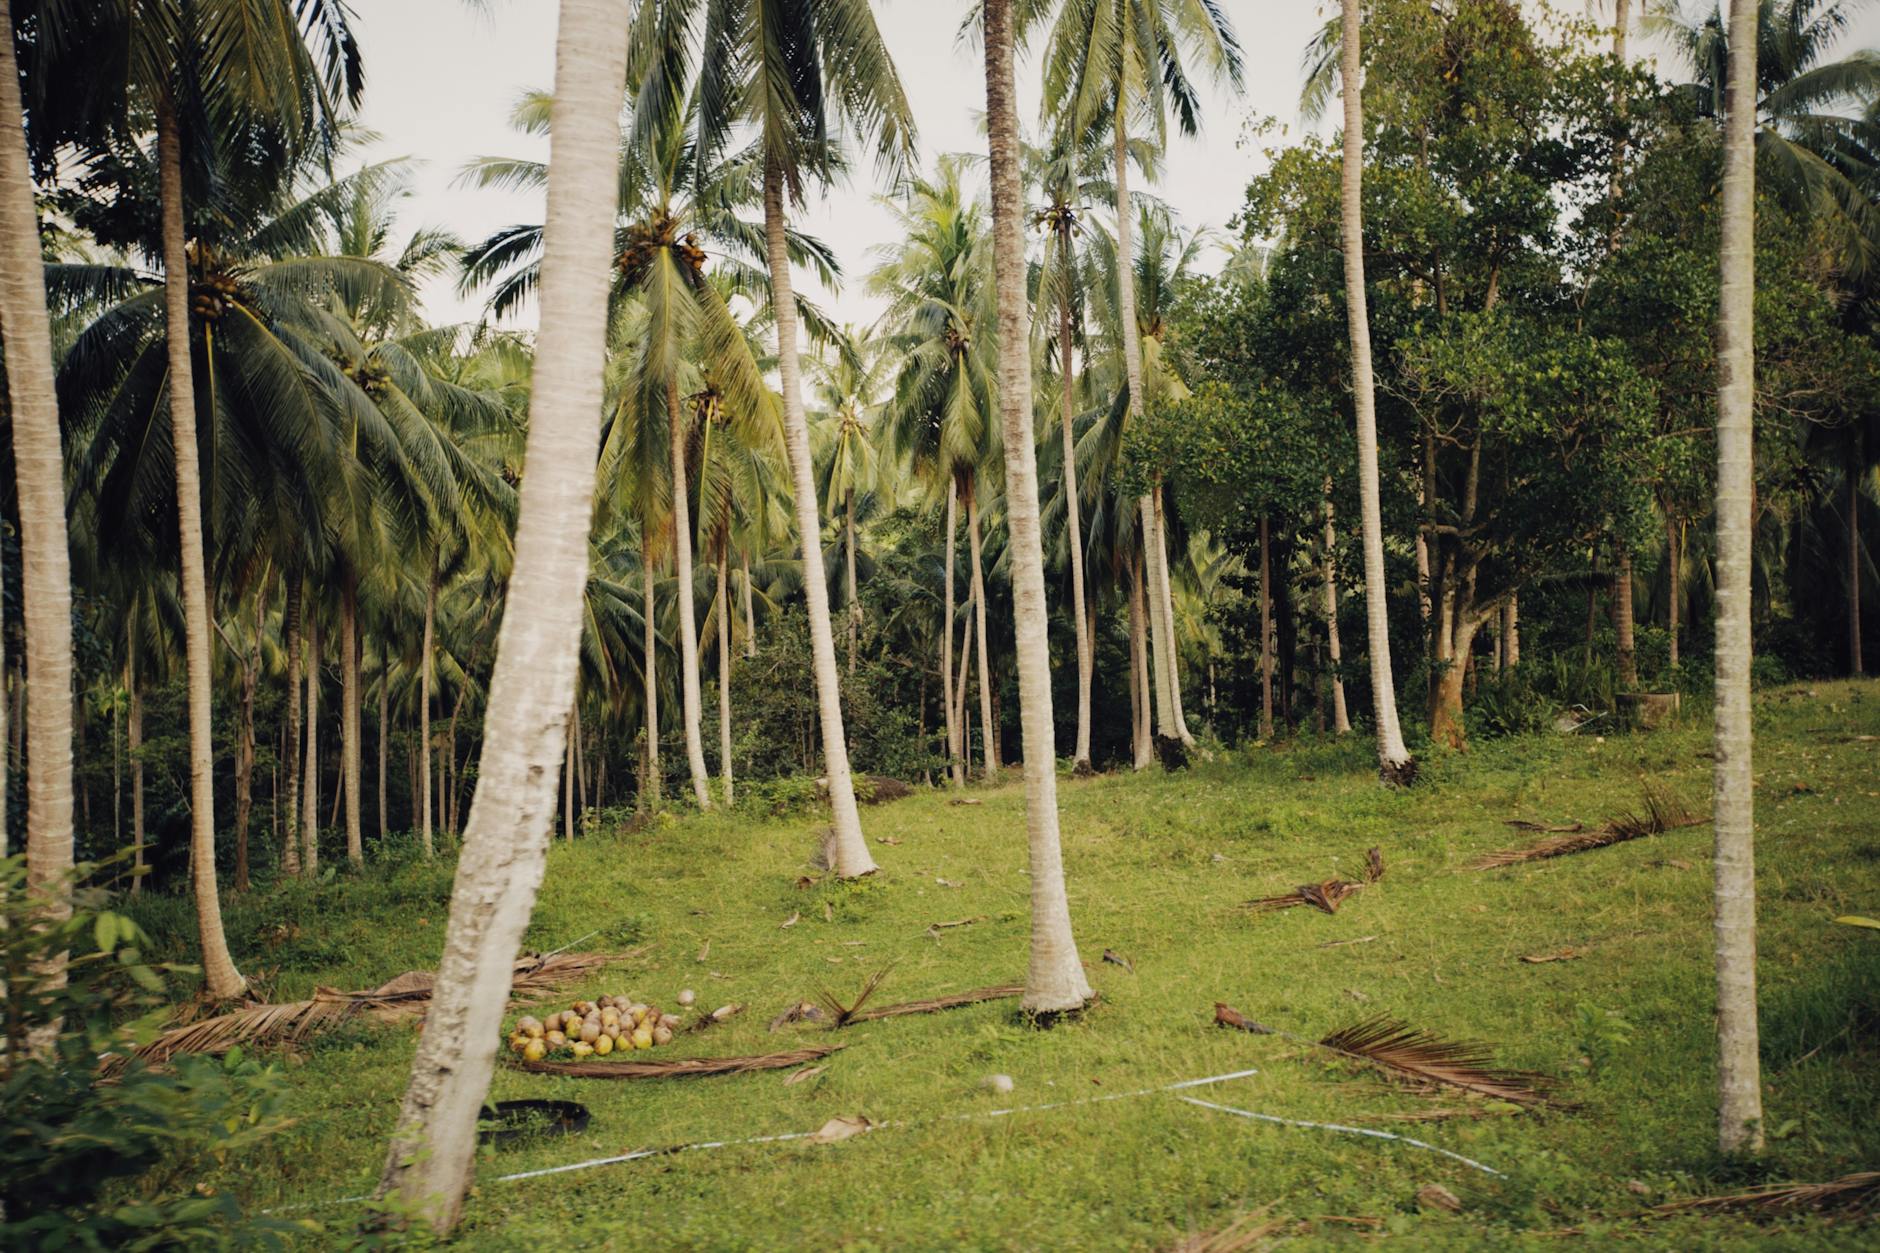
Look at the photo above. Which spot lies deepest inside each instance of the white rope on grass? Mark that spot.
(1340, 1127)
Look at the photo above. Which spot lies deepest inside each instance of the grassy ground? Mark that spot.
(1159, 867)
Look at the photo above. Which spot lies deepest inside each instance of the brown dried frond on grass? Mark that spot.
(1246, 1231)
(1856, 1193)
(932, 1004)
(403, 997)
(1424, 1057)
(686, 1068)
(1663, 812)
(1327, 895)
(840, 1015)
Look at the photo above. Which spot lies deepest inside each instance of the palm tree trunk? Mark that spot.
(655, 778)
(1392, 757)
(688, 608)
(39, 475)
(1511, 633)
(426, 648)
(134, 736)
(1266, 629)
(1854, 665)
(290, 634)
(385, 728)
(532, 686)
(349, 735)
(964, 757)
(1054, 980)
(1739, 1077)
(567, 782)
(1086, 659)
(1165, 603)
(954, 768)
(310, 782)
(1674, 547)
(852, 857)
(218, 967)
(724, 664)
(855, 608)
(1341, 716)
(988, 741)
(750, 607)
(1622, 622)
(1139, 667)
(245, 741)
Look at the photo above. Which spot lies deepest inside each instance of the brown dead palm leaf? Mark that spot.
(1858, 1192)
(934, 1004)
(1663, 812)
(840, 1014)
(686, 1068)
(1546, 828)
(1247, 1231)
(1421, 1056)
(1327, 895)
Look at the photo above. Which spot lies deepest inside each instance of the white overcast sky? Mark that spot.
(443, 75)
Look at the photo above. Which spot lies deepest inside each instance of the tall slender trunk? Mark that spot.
(117, 776)
(310, 781)
(39, 476)
(290, 635)
(1164, 601)
(1674, 548)
(1341, 717)
(852, 857)
(655, 777)
(988, 741)
(1139, 665)
(1739, 1075)
(532, 686)
(134, 736)
(1592, 607)
(954, 767)
(1073, 509)
(385, 728)
(425, 650)
(218, 967)
(854, 606)
(349, 736)
(687, 598)
(750, 607)
(1622, 622)
(1854, 665)
(724, 664)
(567, 781)
(1511, 633)
(245, 740)
(1159, 644)
(1054, 980)
(1393, 758)
(1266, 628)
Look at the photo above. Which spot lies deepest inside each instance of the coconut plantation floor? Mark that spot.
(1159, 868)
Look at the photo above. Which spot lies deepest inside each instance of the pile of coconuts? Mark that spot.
(613, 1024)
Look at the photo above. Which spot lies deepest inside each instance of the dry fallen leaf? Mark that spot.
(800, 1076)
(841, 1127)
(945, 883)
(789, 922)
(704, 950)
(886, 839)
(1564, 955)
(1436, 1196)
(966, 800)
(1117, 959)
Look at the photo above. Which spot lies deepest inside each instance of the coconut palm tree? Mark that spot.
(1393, 759)
(39, 472)
(795, 72)
(1118, 63)
(1054, 980)
(1739, 1075)
(533, 685)
(847, 388)
(941, 302)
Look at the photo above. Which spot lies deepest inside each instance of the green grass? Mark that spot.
(1158, 867)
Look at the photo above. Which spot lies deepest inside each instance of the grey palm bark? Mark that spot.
(1054, 980)
(310, 780)
(1393, 758)
(1341, 716)
(654, 782)
(290, 637)
(425, 682)
(39, 474)
(1739, 1074)
(349, 702)
(1073, 508)
(218, 967)
(532, 686)
(954, 767)
(852, 856)
(989, 742)
(690, 705)
(724, 667)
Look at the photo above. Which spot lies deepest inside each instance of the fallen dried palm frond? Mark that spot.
(1247, 1231)
(802, 1011)
(1413, 1054)
(1663, 812)
(841, 1015)
(1545, 828)
(1328, 895)
(402, 997)
(1422, 1056)
(933, 1004)
(1857, 1192)
(688, 1068)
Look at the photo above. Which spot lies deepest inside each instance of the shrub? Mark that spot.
(93, 1162)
